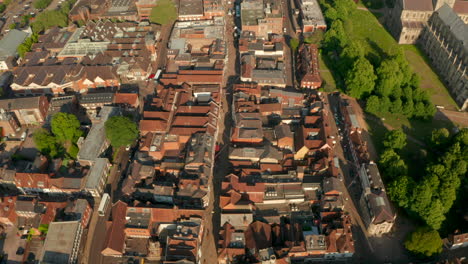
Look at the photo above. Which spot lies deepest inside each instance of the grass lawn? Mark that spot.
(377, 43)
(431, 82)
(373, 37)
(326, 75)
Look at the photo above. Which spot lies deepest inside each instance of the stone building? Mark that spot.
(439, 26)
(445, 41)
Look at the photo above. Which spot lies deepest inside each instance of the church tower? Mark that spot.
(439, 3)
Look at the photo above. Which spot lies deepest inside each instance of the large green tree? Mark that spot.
(360, 80)
(424, 242)
(164, 12)
(66, 127)
(389, 77)
(121, 131)
(373, 105)
(395, 139)
(46, 143)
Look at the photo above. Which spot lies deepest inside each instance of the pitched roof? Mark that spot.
(461, 7)
(258, 235)
(126, 98)
(115, 237)
(456, 25)
(418, 5)
(10, 42)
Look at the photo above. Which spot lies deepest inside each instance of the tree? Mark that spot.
(424, 242)
(48, 19)
(46, 143)
(12, 26)
(294, 44)
(373, 105)
(389, 77)
(393, 166)
(434, 214)
(26, 45)
(397, 106)
(66, 127)
(348, 56)
(395, 139)
(398, 190)
(121, 131)
(25, 20)
(439, 137)
(164, 12)
(2, 7)
(41, 4)
(360, 80)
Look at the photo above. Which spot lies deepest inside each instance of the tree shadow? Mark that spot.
(373, 58)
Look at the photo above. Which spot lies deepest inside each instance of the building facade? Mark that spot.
(439, 27)
(444, 40)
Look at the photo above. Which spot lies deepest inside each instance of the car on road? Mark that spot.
(20, 251)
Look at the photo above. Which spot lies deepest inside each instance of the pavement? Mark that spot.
(369, 249)
(221, 167)
(10, 244)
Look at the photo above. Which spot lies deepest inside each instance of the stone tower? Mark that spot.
(439, 3)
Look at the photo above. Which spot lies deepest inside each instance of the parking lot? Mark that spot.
(17, 9)
(10, 244)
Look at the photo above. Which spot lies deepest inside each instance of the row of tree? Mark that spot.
(45, 20)
(430, 195)
(388, 85)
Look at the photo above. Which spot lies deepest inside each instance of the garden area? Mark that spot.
(378, 47)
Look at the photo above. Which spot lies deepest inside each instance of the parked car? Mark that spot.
(20, 251)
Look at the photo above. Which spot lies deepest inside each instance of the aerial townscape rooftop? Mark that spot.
(233, 131)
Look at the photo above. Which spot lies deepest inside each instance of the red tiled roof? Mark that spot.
(156, 115)
(190, 121)
(115, 237)
(32, 180)
(269, 108)
(169, 215)
(418, 5)
(461, 7)
(186, 131)
(152, 126)
(126, 98)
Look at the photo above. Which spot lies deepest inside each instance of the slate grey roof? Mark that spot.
(456, 25)
(97, 137)
(94, 176)
(10, 42)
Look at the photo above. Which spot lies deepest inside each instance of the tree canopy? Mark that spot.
(46, 143)
(360, 80)
(41, 4)
(424, 241)
(66, 127)
(121, 131)
(294, 44)
(25, 47)
(164, 12)
(395, 139)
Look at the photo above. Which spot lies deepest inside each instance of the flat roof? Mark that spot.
(191, 8)
(58, 245)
